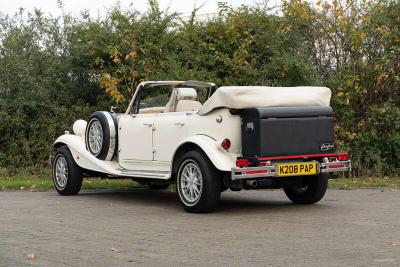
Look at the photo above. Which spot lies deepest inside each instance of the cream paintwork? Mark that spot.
(222, 160)
(169, 134)
(208, 125)
(169, 131)
(86, 160)
(83, 157)
(135, 135)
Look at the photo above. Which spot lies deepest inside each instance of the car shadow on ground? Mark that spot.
(230, 201)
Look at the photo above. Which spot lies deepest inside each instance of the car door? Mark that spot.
(169, 131)
(136, 127)
(135, 140)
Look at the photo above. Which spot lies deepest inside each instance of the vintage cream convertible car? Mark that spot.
(206, 140)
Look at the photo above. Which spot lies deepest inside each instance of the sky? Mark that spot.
(99, 7)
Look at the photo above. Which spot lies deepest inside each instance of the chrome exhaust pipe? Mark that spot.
(252, 183)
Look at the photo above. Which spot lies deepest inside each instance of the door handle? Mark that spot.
(148, 124)
(179, 124)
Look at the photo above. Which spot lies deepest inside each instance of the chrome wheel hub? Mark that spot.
(61, 172)
(191, 183)
(95, 137)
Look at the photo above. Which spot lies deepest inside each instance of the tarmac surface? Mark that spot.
(249, 228)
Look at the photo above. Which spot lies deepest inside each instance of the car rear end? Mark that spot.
(282, 146)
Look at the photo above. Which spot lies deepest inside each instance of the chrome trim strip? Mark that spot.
(145, 174)
(324, 168)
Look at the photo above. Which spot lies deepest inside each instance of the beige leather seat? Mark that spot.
(183, 99)
(188, 105)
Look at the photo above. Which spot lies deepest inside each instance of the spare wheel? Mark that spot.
(101, 135)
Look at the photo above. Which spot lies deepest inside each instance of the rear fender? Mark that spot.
(221, 159)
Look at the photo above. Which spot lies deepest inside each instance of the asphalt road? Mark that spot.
(250, 228)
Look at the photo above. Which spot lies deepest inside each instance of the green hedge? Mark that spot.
(54, 70)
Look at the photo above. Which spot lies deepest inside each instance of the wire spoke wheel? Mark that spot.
(190, 183)
(95, 137)
(67, 175)
(61, 172)
(198, 183)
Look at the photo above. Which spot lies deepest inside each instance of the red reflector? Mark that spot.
(226, 144)
(332, 159)
(343, 157)
(336, 166)
(255, 172)
(242, 163)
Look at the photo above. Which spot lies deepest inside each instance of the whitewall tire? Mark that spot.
(101, 135)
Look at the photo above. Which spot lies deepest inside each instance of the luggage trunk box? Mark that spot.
(281, 131)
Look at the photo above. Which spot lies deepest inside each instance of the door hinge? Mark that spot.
(154, 151)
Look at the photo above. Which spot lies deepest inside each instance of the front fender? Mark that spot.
(83, 157)
(222, 160)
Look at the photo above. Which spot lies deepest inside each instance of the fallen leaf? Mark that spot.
(57, 202)
(31, 256)
(396, 243)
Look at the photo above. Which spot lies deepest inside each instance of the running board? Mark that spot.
(145, 174)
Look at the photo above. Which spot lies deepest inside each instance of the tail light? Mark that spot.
(242, 163)
(226, 144)
(343, 157)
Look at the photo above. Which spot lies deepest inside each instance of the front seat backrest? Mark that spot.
(187, 100)
(186, 94)
(181, 94)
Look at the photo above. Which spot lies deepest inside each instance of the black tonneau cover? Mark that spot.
(281, 131)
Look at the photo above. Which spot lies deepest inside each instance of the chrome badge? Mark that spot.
(327, 147)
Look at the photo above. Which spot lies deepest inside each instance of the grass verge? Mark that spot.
(34, 183)
(370, 182)
(37, 183)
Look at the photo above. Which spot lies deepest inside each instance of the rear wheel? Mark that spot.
(67, 175)
(198, 183)
(312, 190)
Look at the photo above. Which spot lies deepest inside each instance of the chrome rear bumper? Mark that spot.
(272, 170)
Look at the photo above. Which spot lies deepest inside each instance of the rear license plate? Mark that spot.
(307, 168)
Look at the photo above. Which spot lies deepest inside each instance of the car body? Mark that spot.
(189, 132)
